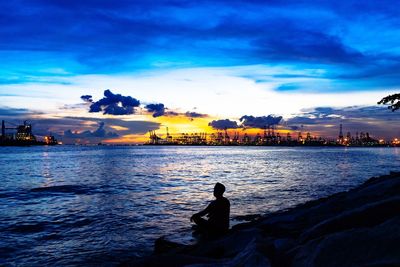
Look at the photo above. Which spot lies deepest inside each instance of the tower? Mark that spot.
(265, 133)
(169, 137)
(341, 132)
(226, 136)
(288, 137)
(3, 130)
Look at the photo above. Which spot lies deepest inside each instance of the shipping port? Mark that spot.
(269, 137)
(22, 135)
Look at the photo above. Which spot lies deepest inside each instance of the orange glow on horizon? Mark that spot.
(128, 139)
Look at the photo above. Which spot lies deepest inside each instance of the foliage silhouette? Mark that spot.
(392, 100)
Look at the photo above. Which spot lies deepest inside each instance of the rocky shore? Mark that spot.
(360, 227)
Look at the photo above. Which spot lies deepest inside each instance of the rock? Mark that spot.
(284, 244)
(169, 260)
(228, 246)
(161, 245)
(248, 218)
(376, 246)
(251, 256)
(367, 215)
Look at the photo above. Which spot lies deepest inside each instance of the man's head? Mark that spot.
(219, 190)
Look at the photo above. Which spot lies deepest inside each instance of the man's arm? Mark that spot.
(201, 213)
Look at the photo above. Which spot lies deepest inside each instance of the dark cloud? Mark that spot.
(191, 114)
(246, 122)
(87, 98)
(172, 113)
(223, 124)
(157, 109)
(100, 132)
(294, 127)
(306, 120)
(298, 44)
(115, 104)
(376, 120)
(16, 112)
(260, 122)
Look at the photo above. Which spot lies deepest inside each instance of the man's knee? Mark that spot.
(198, 220)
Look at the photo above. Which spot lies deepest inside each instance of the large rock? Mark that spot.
(367, 215)
(375, 246)
(253, 255)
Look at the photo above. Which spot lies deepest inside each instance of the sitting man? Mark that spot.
(217, 212)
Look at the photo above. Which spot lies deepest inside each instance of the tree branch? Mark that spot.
(392, 100)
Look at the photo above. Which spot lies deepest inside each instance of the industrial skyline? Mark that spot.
(269, 137)
(12, 134)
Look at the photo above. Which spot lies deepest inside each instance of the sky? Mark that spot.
(110, 71)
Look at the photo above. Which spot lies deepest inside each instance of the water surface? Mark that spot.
(74, 205)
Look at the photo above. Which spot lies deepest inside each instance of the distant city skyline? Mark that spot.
(112, 71)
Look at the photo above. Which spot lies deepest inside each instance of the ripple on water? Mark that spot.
(74, 189)
(103, 205)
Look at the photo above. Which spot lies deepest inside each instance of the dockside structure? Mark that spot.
(270, 137)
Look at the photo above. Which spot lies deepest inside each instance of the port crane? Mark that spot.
(4, 128)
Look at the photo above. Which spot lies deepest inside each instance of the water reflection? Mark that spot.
(46, 169)
(118, 200)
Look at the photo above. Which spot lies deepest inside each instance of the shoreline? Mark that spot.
(357, 227)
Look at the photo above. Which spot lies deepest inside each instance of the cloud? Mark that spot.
(288, 87)
(299, 44)
(87, 98)
(189, 114)
(133, 127)
(260, 122)
(325, 121)
(306, 120)
(114, 104)
(123, 36)
(172, 113)
(99, 133)
(17, 112)
(157, 109)
(246, 122)
(223, 124)
(294, 127)
(192, 115)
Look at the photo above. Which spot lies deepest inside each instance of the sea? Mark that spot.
(103, 205)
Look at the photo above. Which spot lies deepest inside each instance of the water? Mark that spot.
(69, 205)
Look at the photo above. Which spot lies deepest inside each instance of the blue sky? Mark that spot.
(246, 56)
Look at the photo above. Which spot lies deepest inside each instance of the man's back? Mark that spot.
(218, 214)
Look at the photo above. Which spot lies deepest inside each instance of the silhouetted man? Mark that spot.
(217, 212)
